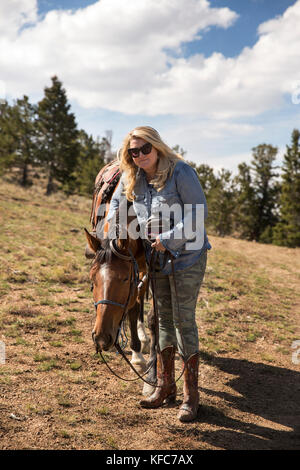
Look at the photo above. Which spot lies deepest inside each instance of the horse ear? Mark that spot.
(93, 242)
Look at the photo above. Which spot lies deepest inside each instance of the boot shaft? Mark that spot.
(189, 408)
(165, 365)
(191, 372)
(166, 387)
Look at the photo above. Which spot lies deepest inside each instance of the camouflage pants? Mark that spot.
(177, 324)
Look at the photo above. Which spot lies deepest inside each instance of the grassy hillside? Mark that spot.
(249, 310)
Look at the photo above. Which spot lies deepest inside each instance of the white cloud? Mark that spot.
(249, 84)
(215, 143)
(111, 54)
(120, 56)
(14, 14)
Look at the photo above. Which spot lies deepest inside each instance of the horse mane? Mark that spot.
(104, 254)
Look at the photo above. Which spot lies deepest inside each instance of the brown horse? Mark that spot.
(117, 268)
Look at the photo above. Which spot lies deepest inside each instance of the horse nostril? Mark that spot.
(102, 343)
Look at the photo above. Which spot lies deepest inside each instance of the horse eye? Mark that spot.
(125, 279)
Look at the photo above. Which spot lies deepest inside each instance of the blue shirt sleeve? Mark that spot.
(189, 187)
(191, 195)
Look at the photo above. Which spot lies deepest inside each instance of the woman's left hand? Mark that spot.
(158, 245)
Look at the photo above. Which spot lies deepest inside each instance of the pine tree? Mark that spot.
(219, 193)
(287, 231)
(206, 177)
(244, 210)
(221, 201)
(90, 161)
(266, 191)
(59, 147)
(25, 115)
(7, 137)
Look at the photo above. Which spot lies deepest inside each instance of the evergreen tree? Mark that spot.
(219, 193)
(7, 137)
(266, 191)
(90, 161)
(25, 115)
(221, 201)
(206, 177)
(244, 210)
(287, 231)
(58, 137)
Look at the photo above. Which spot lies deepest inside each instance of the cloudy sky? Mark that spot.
(216, 77)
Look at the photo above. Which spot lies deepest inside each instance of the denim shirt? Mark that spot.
(185, 237)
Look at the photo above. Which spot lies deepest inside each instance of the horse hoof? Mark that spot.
(148, 390)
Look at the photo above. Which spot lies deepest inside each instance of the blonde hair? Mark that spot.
(167, 159)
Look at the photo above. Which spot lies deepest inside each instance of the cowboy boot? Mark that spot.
(189, 408)
(166, 389)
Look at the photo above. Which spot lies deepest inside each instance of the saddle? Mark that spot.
(105, 183)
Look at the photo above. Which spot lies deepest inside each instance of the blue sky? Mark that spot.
(216, 77)
(229, 42)
(244, 32)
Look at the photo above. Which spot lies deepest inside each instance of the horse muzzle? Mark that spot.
(102, 342)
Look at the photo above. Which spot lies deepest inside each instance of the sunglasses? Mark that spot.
(145, 149)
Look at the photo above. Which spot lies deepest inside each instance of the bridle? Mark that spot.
(134, 281)
(130, 258)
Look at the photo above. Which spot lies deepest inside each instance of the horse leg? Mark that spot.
(151, 375)
(137, 360)
(141, 328)
(145, 342)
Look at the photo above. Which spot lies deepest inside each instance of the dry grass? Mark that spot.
(62, 394)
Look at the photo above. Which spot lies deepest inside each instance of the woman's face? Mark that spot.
(147, 162)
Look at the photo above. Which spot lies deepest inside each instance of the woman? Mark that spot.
(154, 178)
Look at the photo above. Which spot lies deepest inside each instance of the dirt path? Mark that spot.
(245, 404)
(56, 394)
